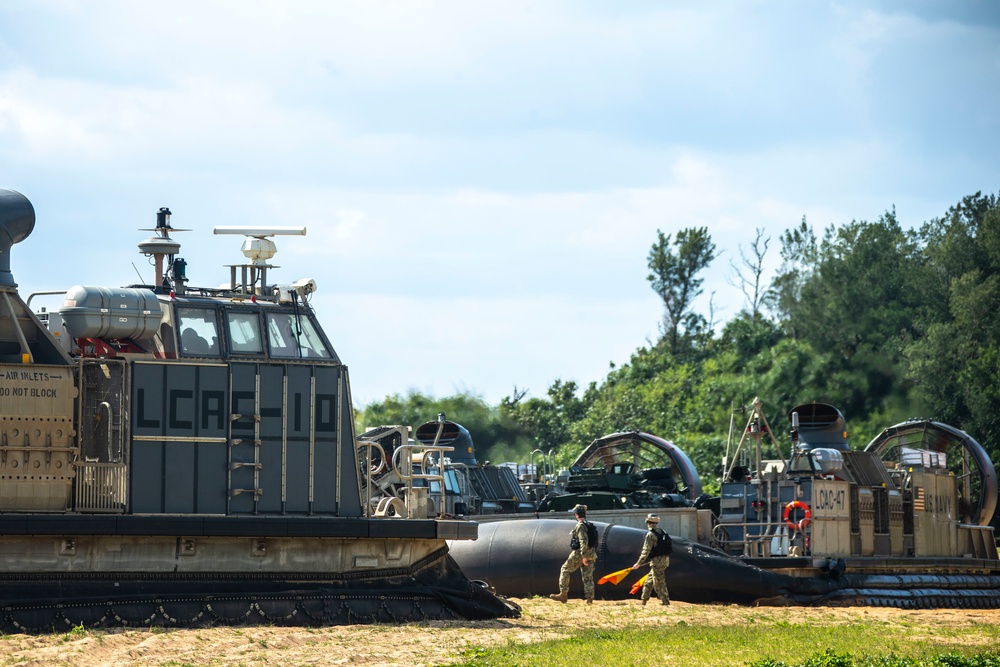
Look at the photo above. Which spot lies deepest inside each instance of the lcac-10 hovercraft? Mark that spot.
(175, 455)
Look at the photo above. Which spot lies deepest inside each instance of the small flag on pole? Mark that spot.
(637, 586)
(615, 577)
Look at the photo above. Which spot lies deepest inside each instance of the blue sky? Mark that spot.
(482, 181)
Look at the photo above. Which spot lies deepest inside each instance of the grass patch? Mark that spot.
(833, 659)
(763, 642)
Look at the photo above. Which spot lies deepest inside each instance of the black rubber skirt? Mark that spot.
(433, 589)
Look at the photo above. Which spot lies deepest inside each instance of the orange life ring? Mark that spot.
(803, 522)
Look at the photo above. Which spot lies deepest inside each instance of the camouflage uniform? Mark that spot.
(575, 562)
(658, 570)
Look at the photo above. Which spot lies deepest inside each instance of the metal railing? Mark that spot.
(761, 540)
(428, 459)
(424, 457)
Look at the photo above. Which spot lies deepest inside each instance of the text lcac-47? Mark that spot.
(174, 455)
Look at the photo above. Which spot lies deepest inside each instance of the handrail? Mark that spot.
(381, 467)
(534, 468)
(771, 531)
(43, 293)
(424, 452)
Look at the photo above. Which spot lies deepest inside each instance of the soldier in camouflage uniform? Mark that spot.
(658, 566)
(583, 557)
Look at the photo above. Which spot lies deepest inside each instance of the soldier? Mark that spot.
(656, 548)
(583, 555)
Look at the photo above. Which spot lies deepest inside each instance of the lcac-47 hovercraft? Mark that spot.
(905, 523)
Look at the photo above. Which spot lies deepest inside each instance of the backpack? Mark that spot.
(664, 545)
(593, 537)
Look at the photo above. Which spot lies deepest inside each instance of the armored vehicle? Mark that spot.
(177, 455)
(629, 470)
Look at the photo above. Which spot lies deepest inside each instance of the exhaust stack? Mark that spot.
(820, 425)
(17, 219)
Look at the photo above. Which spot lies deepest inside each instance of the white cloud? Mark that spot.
(506, 165)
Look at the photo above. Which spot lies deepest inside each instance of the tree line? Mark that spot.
(885, 322)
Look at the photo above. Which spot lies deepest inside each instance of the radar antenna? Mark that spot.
(258, 248)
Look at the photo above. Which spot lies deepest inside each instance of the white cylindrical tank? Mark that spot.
(827, 461)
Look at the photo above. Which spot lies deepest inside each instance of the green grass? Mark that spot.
(755, 644)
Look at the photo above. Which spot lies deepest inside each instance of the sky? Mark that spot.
(481, 182)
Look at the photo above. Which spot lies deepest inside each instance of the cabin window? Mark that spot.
(199, 332)
(451, 482)
(293, 335)
(244, 333)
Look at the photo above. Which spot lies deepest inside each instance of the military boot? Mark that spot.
(561, 596)
(590, 600)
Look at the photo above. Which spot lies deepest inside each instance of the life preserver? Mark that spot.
(803, 522)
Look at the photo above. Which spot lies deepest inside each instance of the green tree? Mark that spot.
(674, 267)
(859, 306)
(749, 274)
(883, 322)
(799, 254)
(862, 290)
(546, 420)
(495, 434)
(955, 363)
(965, 239)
